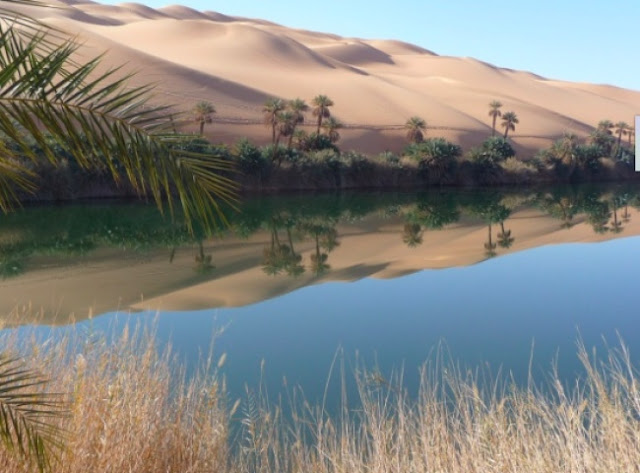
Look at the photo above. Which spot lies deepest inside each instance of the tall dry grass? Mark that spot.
(130, 406)
(133, 410)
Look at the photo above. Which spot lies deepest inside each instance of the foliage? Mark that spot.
(251, 161)
(486, 158)
(389, 158)
(320, 110)
(317, 142)
(203, 113)
(436, 158)
(415, 127)
(331, 126)
(271, 111)
(494, 113)
(603, 139)
(46, 97)
(509, 122)
(29, 417)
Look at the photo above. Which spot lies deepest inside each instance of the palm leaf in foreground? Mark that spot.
(103, 122)
(28, 417)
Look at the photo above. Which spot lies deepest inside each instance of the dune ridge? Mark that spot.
(376, 84)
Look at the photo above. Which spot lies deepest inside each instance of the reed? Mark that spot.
(133, 409)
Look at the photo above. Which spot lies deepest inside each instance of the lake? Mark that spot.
(504, 280)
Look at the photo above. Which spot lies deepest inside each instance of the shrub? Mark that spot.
(388, 157)
(436, 157)
(316, 142)
(519, 171)
(492, 152)
(252, 161)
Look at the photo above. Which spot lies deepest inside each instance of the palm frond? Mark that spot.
(98, 117)
(29, 417)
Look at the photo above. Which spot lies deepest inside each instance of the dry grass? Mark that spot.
(131, 411)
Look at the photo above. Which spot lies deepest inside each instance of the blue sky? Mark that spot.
(575, 40)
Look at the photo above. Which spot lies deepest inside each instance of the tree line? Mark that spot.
(438, 160)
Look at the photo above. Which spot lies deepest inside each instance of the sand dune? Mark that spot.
(376, 84)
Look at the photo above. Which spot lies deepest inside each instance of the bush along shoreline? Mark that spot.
(298, 161)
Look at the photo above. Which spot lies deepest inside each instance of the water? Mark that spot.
(504, 280)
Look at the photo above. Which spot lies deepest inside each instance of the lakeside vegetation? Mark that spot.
(76, 231)
(131, 408)
(315, 161)
(298, 160)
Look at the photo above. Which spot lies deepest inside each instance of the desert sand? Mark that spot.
(238, 63)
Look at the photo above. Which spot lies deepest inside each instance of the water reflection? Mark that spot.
(108, 256)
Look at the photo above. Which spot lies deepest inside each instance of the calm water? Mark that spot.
(382, 278)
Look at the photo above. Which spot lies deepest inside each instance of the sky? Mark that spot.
(585, 41)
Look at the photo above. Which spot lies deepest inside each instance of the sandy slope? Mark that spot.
(238, 63)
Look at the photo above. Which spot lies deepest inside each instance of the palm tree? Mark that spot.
(270, 111)
(412, 235)
(490, 246)
(28, 416)
(505, 240)
(285, 125)
(203, 262)
(621, 130)
(566, 148)
(274, 258)
(203, 113)
(331, 127)
(329, 238)
(509, 122)
(294, 266)
(297, 107)
(603, 137)
(626, 216)
(494, 113)
(631, 133)
(46, 98)
(605, 125)
(415, 127)
(321, 104)
(616, 225)
(319, 263)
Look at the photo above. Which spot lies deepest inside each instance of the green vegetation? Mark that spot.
(314, 161)
(74, 231)
(321, 105)
(57, 111)
(509, 122)
(29, 416)
(203, 113)
(494, 113)
(296, 159)
(416, 127)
